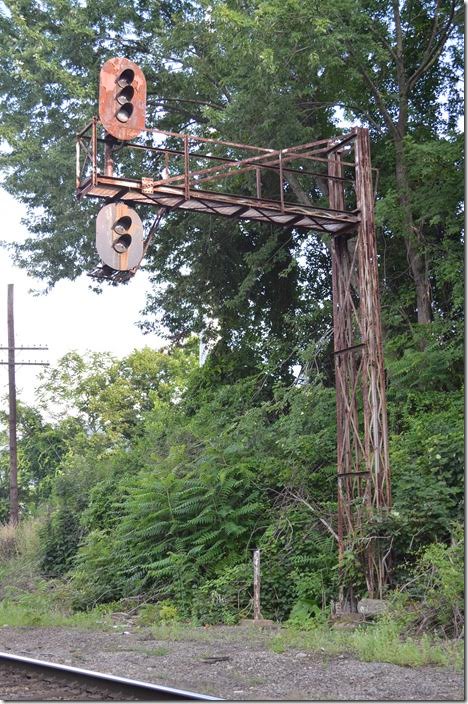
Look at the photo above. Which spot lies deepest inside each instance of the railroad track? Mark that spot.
(23, 679)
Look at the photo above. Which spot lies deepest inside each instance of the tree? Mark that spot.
(110, 396)
(42, 446)
(394, 66)
(407, 56)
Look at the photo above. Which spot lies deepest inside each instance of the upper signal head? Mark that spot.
(122, 98)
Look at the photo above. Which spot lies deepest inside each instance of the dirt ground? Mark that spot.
(234, 663)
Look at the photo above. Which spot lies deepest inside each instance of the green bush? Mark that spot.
(226, 598)
(96, 577)
(162, 613)
(61, 536)
(434, 595)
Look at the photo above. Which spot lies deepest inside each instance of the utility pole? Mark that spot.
(12, 419)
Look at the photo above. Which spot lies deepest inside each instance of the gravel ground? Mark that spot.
(234, 663)
(18, 686)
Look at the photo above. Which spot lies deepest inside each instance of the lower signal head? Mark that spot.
(119, 236)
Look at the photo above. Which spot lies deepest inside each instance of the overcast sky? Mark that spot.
(70, 317)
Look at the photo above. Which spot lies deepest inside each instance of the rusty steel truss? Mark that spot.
(324, 186)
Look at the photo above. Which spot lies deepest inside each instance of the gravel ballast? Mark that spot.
(234, 663)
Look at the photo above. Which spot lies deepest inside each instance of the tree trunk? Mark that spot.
(413, 239)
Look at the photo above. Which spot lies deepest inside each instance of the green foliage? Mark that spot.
(158, 477)
(95, 579)
(61, 537)
(394, 68)
(41, 447)
(226, 598)
(434, 595)
(299, 565)
(382, 641)
(47, 604)
(305, 615)
(427, 458)
(162, 613)
(182, 500)
(213, 470)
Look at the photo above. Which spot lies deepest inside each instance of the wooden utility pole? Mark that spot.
(14, 507)
(12, 419)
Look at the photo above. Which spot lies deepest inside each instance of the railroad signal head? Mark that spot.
(119, 236)
(122, 98)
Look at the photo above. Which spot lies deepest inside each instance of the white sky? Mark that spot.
(70, 317)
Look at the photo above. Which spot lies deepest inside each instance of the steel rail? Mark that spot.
(120, 686)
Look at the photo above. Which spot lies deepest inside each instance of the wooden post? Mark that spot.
(256, 596)
(14, 509)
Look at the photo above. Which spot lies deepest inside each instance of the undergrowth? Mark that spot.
(47, 603)
(380, 642)
(27, 599)
(17, 615)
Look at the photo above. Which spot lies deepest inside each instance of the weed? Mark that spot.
(278, 645)
(159, 651)
(164, 612)
(176, 631)
(381, 642)
(16, 615)
(8, 546)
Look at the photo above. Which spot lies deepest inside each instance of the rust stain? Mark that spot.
(114, 98)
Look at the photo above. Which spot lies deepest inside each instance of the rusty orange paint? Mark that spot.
(122, 98)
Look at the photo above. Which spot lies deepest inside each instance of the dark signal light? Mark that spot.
(122, 98)
(119, 236)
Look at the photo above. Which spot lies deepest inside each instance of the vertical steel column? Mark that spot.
(94, 149)
(362, 444)
(347, 354)
(373, 374)
(186, 167)
(109, 155)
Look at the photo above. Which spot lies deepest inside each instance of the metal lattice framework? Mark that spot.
(364, 488)
(324, 186)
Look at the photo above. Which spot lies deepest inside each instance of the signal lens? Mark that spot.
(122, 226)
(126, 77)
(125, 95)
(122, 244)
(125, 112)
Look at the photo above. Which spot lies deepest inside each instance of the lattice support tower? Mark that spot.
(364, 487)
(201, 175)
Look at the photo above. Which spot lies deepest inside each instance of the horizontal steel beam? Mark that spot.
(335, 222)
